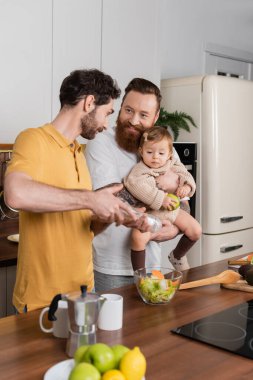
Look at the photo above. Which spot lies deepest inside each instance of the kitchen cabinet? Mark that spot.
(10, 282)
(76, 40)
(25, 66)
(42, 41)
(7, 282)
(130, 41)
(84, 35)
(8, 264)
(2, 292)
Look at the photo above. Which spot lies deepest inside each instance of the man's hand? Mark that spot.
(108, 208)
(141, 223)
(167, 232)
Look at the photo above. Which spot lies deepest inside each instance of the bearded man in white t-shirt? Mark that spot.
(110, 157)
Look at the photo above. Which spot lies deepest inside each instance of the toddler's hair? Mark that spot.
(157, 134)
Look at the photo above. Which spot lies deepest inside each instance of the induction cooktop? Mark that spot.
(230, 329)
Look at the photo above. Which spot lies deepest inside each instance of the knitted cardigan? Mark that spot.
(141, 182)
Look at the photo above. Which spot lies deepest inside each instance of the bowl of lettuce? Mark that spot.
(157, 286)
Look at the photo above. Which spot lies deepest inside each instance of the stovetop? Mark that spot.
(230, 329)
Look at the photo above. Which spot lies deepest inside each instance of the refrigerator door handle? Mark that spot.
(230, 248)
(228, 219)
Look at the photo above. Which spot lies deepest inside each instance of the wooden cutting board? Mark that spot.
(239, 285)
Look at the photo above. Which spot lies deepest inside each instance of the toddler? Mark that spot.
(156, 151)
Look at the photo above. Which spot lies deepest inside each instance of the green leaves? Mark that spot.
(176, 121)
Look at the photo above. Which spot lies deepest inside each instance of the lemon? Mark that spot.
(113, 374)
(133, 364)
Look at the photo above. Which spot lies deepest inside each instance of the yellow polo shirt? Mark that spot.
(55, 249)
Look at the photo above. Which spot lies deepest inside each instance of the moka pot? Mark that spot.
(83, 311)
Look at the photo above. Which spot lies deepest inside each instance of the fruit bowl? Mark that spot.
(157, 286)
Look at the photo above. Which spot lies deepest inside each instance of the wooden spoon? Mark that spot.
(226, 277)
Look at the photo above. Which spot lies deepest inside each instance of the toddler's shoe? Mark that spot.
(179, 264)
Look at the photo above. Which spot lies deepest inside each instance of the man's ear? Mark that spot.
(89, 104)
(156, 116)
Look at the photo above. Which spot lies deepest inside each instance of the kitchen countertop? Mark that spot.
(27, 352)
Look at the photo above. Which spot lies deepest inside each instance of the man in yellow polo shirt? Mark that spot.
(48, 181)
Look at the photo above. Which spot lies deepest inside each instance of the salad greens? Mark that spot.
(157, 290)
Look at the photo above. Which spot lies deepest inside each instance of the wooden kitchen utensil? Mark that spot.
(226, 277)
(238, 262)
(241, 285)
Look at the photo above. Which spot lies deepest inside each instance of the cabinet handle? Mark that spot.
(228, 219)
(230, 248)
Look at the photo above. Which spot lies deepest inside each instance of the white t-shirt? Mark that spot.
(108, 163)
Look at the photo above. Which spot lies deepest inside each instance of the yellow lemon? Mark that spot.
(133, 364)
(113, 374)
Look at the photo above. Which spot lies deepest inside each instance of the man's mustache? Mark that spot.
(138, 128)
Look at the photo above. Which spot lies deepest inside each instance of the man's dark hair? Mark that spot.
(144, 86)
(81, 83)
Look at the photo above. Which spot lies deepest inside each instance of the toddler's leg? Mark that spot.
(184, 245)
(188, 225)
(192, 232)
(139, 241)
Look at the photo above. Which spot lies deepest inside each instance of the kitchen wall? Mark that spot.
(42, 41)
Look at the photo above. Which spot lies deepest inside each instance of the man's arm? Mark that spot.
(141, 223)
(23, 193)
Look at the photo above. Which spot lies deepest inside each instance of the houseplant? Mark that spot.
(175, 121)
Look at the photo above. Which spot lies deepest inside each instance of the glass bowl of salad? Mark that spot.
(157, 286)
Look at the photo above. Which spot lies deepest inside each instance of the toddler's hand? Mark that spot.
(183, 191)
(169, 203)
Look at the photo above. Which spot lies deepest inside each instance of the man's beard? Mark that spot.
(127, 140)
(89, 126)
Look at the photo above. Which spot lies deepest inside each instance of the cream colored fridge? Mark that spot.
(222, 107)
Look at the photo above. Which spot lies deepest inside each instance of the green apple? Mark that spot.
(101, 356)
(119, 351)
(78, 355)
(84, 371)
(174, 197)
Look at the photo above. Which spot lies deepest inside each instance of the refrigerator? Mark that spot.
(222, 108)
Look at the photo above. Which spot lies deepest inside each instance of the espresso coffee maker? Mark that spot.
(83, 310)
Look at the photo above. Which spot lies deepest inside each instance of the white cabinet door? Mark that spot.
(130, 40)
(76, 40)
(25, 66)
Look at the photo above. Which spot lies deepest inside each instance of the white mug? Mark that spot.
(60, 327)
(111, 313)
